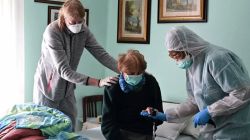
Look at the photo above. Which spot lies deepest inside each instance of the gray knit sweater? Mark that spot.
(61, 52)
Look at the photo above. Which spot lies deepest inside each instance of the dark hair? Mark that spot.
(74, 8)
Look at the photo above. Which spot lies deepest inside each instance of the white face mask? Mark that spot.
(76, 28)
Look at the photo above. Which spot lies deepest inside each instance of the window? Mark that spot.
(12, 53)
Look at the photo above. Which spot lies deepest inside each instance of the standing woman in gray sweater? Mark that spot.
(62, 46)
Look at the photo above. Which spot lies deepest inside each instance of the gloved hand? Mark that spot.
(159, 115)
(107, 81)
(201, 118)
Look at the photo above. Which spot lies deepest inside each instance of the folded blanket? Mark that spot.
(53, 123)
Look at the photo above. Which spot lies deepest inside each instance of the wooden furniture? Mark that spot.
(92, 106)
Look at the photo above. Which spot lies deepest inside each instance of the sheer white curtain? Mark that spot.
(12, 53)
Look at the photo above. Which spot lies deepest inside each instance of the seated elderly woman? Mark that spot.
(124, 101)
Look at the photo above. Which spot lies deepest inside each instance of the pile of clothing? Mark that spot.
(30, 121)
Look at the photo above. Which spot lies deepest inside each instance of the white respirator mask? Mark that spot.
(76, 28)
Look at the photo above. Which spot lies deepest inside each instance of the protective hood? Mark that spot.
(182, 39)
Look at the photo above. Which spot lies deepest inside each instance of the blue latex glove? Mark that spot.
(159, 116)
(201, 118)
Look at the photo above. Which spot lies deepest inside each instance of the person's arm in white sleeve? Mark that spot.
(230, 104)
(182, 111)
(231, 75)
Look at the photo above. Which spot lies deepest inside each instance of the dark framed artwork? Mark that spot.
(53, 13)
(51, 1)
(182, 11)
(133, 24)
(86, 17)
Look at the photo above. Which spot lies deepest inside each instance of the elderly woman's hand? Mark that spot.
(154, 114)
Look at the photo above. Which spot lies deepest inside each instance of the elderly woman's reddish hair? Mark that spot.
(132, 62)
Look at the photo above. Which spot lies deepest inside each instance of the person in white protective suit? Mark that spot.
(218, 87)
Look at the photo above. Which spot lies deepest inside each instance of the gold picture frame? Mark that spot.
(170, 11)
(133, 21)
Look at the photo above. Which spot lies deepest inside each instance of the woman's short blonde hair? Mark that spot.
(132, 62)
(74, 8)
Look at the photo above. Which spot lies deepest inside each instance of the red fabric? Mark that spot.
(49, 86)
(33, 138)
(17, 134)
(7, 129)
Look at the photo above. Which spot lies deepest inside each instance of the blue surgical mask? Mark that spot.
(133, 79)
(185, 63)
(126, 88)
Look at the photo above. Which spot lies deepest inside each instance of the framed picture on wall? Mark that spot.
(51, 1)
(86, 17)
(133, 21)
(53, 13)
(182, 11)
